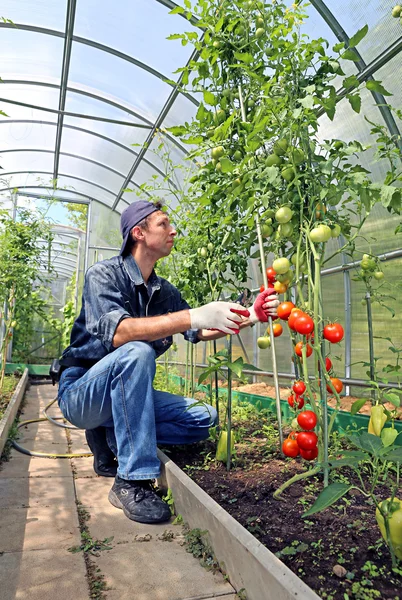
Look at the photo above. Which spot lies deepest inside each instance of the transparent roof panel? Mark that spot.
(182, 110)
(50, 14)
(92, 188)
(40, 96)
(28, 135)
(27, 160)
(391, 83)
(138, 29)
(104, 73)
(88, 170)
(19, 60)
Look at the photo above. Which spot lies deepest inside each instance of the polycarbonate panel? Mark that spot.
(390, 75)
(50, 14)
(28, 180)
(98, 149)
(333, 294)
(30, 55)
(377, 235)
(104, 73)
(182, 110)
(27, 135)
(138, 29)
(105, 228)
(86, 188)
(41, 96)
(87, 170)
(161, 151)
(383, 28)
(26, 161)
(384, 324)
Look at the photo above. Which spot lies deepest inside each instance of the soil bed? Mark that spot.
(339, 552)
(9, 385)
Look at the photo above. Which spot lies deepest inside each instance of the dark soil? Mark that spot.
(339, 552)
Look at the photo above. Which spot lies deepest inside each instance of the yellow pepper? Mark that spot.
(395, 524)
(222, 448)
(378, 419)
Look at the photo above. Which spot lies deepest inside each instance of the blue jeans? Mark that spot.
(117, 393)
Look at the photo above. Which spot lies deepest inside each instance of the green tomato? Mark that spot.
(397, 11)
(368, 264)
(203, 252)
(220, 116)
(210, 133)
(285, 230)
(266, 230)
(281, 265)
(303, 268)
(264, 342)
(259, 22)
(288, 174)
(217, 152)
(280, 147)
(283, 214)
(378, 275)
(238, 155)
(336, 231)
(297, 156)
(218, 166)
(273, 160)
(216, 44)
(268, 214)
(320, 234)
(260, 32)
(210, 246)
(284, 277)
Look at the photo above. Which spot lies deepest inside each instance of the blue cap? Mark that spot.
(132, 215)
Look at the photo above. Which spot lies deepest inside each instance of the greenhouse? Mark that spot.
(200, 258)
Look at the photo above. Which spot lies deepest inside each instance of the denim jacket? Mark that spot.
(114, 289)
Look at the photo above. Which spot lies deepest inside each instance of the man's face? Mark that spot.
(159, 236)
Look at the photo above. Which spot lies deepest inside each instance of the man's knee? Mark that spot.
(204, 415)
(139, 354)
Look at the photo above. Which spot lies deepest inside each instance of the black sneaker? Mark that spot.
(105, 463)
(139, 501)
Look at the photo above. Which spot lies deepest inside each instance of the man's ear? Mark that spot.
(137, 233)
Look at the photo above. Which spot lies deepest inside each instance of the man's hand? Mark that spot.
(265, 306)
(218, 315)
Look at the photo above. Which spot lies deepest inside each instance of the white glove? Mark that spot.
(217, 315)
(264, 306)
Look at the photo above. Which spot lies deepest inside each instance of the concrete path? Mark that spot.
(42, 503)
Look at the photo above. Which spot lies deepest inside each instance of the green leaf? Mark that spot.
(357, 405)
(375, 86)
(209, 98)
(358, 36)
(307, 102)
(389, 436)
(350, 55)
(236, 367)
(338, 47)
(386, 194)
(251, 367)
(227, 165)
(351, 81)
(244, 57)
(177, 130)
(179, 10)
(367, 441)
(395, 455)
(355, 102)
(393, 398)
(328, 496)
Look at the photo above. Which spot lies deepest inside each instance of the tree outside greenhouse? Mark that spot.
(264, 197)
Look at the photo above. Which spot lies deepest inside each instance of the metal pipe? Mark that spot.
(88, 233)
(348, 318)
(229, 408)
(371, 341)
(351, 382)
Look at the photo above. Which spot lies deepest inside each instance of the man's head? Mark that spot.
(145, 222)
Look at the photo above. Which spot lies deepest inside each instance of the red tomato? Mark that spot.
(309, 454)
(307, 440)
(333, 332)
(262, 288)
(338, 385)
(298, 400)
(298, 349)
(271, 275)
(290, 448)
(284, 310)
(307, 419)
(303, 324)
(328, 363)
(278, 329)
(299, 387)
(295, 314)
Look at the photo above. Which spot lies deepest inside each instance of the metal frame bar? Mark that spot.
(70, 19)
(82, 130)
(157, 124)
(60, 175)
(117, 105)
(98, 46)
(380, 100)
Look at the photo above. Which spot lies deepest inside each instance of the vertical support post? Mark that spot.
(77, 274)
(88, 235)
(14, 198)
(371, 341)
(216, 390)
(348, 317)
(229, 407)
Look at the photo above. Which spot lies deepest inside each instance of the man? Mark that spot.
(127, 320)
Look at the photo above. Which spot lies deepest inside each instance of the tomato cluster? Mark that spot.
(303, 442)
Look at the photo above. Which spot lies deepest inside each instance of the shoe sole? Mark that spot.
(114, 500)
(105, 473)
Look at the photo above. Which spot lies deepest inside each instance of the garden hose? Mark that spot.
(54, 421)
